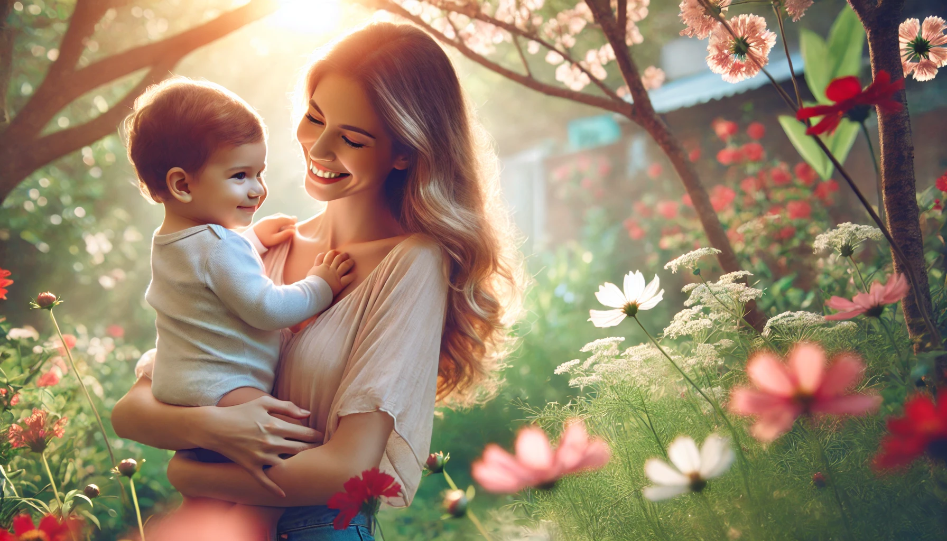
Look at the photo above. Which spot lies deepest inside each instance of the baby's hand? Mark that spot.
(333, 267)
(275, 229)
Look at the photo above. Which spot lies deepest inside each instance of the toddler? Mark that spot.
(200, 151)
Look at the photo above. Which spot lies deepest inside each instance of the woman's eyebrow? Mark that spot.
(343, 126)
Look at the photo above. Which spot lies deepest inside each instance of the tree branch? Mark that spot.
(602, 13)
(519, 49)
(7, 37)
(81, 25)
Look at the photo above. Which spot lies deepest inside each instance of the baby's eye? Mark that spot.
(239, 176)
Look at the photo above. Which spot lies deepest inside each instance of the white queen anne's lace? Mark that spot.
(844, 238)
(792, 322)
(689, 260)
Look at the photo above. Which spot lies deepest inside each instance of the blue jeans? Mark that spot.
(314, 523)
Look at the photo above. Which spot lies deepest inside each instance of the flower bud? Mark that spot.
(128, 467)
(91, 491)
(818, 480)
(455, 503)
(436, 461)
(46, 300)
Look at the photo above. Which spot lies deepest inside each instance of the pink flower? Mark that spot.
(805, 173)
(797, 8)
(667, 209)
(725, 129)
(742, 57)
(798, 210)
(756, 131)
(536, 464)
(115, 331)
(69, 341)
(803, 387)
(941, 182)
(729, 156)
(694, 154)
(923, 47)
(635, 232)
(753, 151)
(698, 21)
(872, 303)
(825, 189)
(780, 175)
(721, 196)
(655, 170)
(652, 78)
(48, 379)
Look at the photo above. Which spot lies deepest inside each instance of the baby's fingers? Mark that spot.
(320, 258)
(346, 280)
(284, 235)
(345, 266)
(339, 258)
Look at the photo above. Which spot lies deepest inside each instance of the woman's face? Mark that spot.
(346, 145)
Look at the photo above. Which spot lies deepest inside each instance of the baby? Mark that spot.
(200, 151)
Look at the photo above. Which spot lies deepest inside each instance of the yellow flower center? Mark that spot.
(34, 535)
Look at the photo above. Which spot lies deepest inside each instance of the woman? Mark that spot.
(412, 196)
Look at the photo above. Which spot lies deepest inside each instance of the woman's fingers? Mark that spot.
(284, 235)
(261, 477)
(295, 447)
(282, 407)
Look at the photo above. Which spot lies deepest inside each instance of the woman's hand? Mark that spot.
(252, 437)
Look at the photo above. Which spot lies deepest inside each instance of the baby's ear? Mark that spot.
(178, 182)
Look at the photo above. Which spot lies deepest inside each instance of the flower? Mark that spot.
(46, 300)
(845, 238)
(941, 182)
(36, 431)
(635, 232)
(68, 342)
(667, 209)
(825, 190)
(4, 282)
(115, 331)
(696, 18)
(780, 175)
(362, 494)
(756, 131)
(652, 78)
(721, 196)
(725, 129)
(455, 503)
(694, 154)
(753, 151)
(797, 8)
(738, 58)
(690, 468)
(804, 387)
(689, 260)
(25, 332)
(635, 297)
(48, 379)
(49, 529)
(127, 467)
(923, 47)
(818, 479)
(729, 156)
(91, 491)
(872, 303)
(852, 102)
(14, 400)
(805, 173)
(436, 461)
(798, 210)
(654, 170)
(536, 464)
(923, 428)
(787, 322)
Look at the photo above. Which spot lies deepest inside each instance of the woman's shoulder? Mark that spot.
(418, 252)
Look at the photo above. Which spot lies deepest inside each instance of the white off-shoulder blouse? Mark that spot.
(375, 349)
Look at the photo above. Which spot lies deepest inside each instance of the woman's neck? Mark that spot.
(354, 219)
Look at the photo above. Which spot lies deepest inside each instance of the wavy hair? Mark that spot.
(450, 192)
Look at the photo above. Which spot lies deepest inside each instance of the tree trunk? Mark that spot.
(881, 23)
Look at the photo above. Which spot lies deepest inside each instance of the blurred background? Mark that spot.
(592, 195)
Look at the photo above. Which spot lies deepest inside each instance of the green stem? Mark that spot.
(792, 72)
(874, 162)
(470, 514)
(814, 440)
(75, 371)
(859, 273)
(3, 472)
(739, 317)
(141, 527)
(893, 344)
(714, 518)
(52, 483)
(380, 532)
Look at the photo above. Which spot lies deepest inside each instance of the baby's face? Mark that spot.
(230, 188)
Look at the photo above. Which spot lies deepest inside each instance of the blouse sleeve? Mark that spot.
(394, 360)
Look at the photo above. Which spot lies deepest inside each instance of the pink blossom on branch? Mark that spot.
(536, 464)
(923, 47)
(804, 386)
(652, 78)
(741, 57)
(797, 8)
(872, 303)
(696, 18)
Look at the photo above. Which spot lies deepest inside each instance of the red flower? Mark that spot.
(786, 233)
(654, 170)
(634, 230)
(362, 494)
(729, 156)
(752, 151)
(668, 209)
(37, 432)
(721, 196)
(938, 205)
(725, 129)
(50, 529)
(4, 282)
(825, 190)
(922, 429)
(69, 341)
(48, 379)
(852, 102)
(941, 185)
(798, 210)
(642, 209)
(751, 184)
(115, 331)
(13, 400)
(694, 154)
(781, 176)
(805, 173)
(756, 130)
(686, 200)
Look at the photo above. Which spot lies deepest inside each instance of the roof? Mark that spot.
(707, 86)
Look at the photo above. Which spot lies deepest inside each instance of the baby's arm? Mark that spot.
(270, 231)
(236, 275)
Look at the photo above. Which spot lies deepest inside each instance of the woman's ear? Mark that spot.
(178, 184)
(403, 161)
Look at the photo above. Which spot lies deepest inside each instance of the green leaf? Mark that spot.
(807, 148)
(846, 41)
(840, 142)
(818, 64)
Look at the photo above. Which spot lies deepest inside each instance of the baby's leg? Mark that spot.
(243, 395)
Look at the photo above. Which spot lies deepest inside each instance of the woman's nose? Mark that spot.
(320, 150)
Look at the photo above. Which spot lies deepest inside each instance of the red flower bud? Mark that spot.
(128, 467)
(455, 503)
(818, 480)
(436, 461)
(91, 491)
(46, 300)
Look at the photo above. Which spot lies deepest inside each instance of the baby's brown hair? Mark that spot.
(180, 123)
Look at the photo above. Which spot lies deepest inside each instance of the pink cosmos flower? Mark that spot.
(923, 47)
(797, 8)
(872, 303)
(698, 21)
(803, 387)
(48, 379)
(742, 57)
(536, 464)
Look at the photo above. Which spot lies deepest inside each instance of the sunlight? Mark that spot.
(307, 16)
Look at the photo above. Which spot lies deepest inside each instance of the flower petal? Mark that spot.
(684, 454)
(533, 449)
(652, 302)
(606, 318)
(499, 472)
(716, 456)
(609, 295)
(843, 88)
(660, 472)
(807, 363)
(752, 402)
(840, 303)
(853, 404)
(895, 290)
(659, 493)
(634, 286)
(769, 427)
(846, 371)
(770, 375)
(651, 289)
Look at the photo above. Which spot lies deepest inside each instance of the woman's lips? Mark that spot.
(321, 180)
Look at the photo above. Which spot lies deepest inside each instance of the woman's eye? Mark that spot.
(239, 176)
(314, 120)
(350, 143)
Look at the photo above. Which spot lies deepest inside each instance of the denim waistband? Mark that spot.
(313, 515)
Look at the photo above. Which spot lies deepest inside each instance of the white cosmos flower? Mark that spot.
(691, 468)
(636, 297)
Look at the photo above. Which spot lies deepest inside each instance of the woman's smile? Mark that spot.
(324, 176)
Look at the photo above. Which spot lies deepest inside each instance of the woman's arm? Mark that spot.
(308, 478)
(247, 434)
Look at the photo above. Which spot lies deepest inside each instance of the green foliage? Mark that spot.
(840, 143)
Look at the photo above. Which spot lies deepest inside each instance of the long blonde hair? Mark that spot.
(450, 192)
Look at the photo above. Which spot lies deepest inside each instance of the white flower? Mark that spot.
(603, 344)
(689, 260)
(688, 322)
(566, 367)
(788, 322)
(845, 238)
(23, 333)
(691, 468)
(636, 297)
